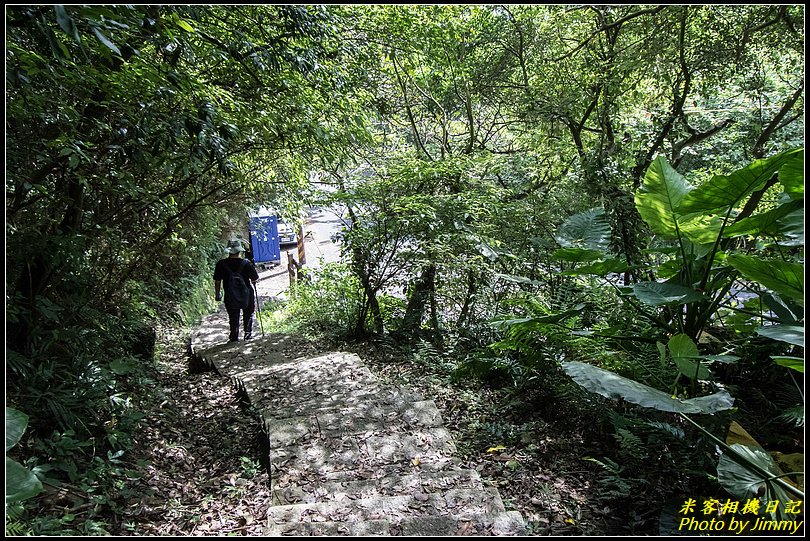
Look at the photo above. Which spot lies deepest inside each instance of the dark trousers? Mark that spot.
(247, 320)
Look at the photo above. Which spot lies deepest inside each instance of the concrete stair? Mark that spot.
(348, 455)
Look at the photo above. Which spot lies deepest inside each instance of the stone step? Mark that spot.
(230, 358)
(508, 523)
(353, 456)
(358, 419)
(213, 330)
(302, 386)
(331, 529)
(349, 456)
(284, 356)
(455, 502)
(426, 482)
(283, 405)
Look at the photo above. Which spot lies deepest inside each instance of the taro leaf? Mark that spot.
(739, 480)
(787, 312)
(792, 227)
(16, 422)
(783, 277)
(737, 475)
(794, 363)
(684, 353)
(682, 346)
(701, 230)
(792, 334)
(768, 223)
(589, 229)
(791, 175)
(599, 268)
(21, 483)
(658, 197)
(659, 294)
(723, 192)
(612, 385)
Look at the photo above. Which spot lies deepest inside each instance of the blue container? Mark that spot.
(264, 239)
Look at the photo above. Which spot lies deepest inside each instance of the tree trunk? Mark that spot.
(420, 294)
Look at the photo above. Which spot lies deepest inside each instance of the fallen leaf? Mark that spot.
(421, 496)
(465, 529)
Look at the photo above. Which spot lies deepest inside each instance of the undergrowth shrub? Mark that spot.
(325, 300)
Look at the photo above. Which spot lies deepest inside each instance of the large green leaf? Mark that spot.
(794, 363)
(599, 268)
(792, 334)
(768, 223)
(783, 277)
(578, 255)
(21, 483)
(684, 353)
(610, 385)
(699, 229)
(16, 422)
(589, 229)
(661, 294)
(658, 197)
(791, 175)
(723, 192)
(787, 311)
(792, 228)
(740, 481)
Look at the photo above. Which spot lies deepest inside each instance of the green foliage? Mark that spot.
(588, 230)
(702, 280)
(21, 483)
(615, 482)
(457, 140)
(784, 278)
(611, 385)
(327, 299)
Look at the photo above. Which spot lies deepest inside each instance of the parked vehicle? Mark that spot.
(286, 233)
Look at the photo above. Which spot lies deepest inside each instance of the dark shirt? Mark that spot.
(232, 264)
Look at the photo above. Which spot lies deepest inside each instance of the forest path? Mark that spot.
(347, 454)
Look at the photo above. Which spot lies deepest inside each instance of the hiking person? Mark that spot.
(239, 276)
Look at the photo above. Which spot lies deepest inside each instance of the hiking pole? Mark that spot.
(258, 309)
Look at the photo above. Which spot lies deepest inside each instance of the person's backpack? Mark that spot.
(237, 291)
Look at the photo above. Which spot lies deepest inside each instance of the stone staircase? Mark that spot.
(348, 455)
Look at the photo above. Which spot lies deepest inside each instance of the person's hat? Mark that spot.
(234, 247)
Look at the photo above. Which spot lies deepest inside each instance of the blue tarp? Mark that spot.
(264, 239)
